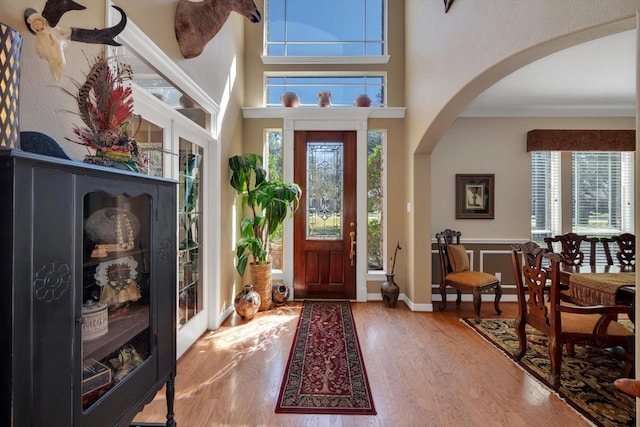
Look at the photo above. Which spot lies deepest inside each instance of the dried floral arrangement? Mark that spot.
(105, 105)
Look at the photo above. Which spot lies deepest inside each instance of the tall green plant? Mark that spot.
(269, 202)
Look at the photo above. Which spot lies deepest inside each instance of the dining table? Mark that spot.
(600, 284)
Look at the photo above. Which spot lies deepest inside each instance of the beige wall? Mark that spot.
(44, 105)
(498, 146)
(452, 58)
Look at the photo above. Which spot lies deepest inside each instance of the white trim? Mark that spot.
(324, 60)
(317, 113)
(338, 123)
(376, 276)
(491, 241)
(139, 43)
(403, 297)
(362, 264)
(467, 297)
(177, 125)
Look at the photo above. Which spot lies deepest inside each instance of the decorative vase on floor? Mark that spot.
(390, 292)
(10, 47)
(280, 294)
(247, 302)
(261, 279)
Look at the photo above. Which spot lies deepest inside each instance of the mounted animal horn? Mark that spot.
(51, 39)
(196, 23)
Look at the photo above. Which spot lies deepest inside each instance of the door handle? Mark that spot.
(352, 252)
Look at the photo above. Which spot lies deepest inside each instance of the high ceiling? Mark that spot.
(597, 78)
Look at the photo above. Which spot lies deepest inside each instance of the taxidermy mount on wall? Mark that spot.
(52, 39)
(447, 5)
(197, 23)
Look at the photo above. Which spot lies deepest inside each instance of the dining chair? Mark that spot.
(563, 323)
(627, 248)
(571, 247)
(455, 272)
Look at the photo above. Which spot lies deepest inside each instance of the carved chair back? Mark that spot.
(627, 245)
(444, 239)
(571, 247)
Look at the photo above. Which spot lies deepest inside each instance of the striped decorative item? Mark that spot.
(10, 46)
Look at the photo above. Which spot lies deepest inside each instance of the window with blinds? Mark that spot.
(545, 195)
(602, 190)
(602, 202)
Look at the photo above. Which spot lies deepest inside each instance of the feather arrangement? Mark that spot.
(105, 105)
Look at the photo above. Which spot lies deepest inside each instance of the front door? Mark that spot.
(325, 223)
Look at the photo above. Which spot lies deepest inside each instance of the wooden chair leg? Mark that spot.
(477, 301)
(522, 338)
(571, 349)
(496, 302)
(443, 295)
(555, 354)
(458, 298)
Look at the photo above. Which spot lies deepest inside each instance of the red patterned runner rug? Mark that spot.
(325, 373)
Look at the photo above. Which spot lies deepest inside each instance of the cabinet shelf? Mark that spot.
(124, 324)
(94, 261)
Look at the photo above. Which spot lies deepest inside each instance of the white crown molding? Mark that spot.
(314, 60)
(338, 113)
(138, 42)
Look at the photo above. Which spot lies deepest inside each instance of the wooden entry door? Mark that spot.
(325, 223)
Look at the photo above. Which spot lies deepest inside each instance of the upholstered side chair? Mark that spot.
(456, 273)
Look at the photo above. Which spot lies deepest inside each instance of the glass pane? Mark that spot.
(325, 28)
(344, 89)
(324, 190)
(189, 231)
(150, 139)
(273, 142)
(116, 294)
(597, 195)
(375, 196)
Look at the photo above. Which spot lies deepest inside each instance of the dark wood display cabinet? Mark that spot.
(88, 261)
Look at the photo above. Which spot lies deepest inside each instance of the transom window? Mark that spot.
(325, 28)
(344, 89)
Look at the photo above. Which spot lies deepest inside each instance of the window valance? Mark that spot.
(581, 140)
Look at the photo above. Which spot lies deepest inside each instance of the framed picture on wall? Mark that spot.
(474, 196)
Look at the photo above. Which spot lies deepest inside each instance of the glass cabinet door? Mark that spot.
(116, 291)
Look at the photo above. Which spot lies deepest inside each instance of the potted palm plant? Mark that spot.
(268, 202)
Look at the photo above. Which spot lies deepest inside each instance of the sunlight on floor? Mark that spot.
(233, 343)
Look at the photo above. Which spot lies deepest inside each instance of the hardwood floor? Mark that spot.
(425, 369)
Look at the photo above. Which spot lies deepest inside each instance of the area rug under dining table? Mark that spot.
(325, 373)
(586, 378)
